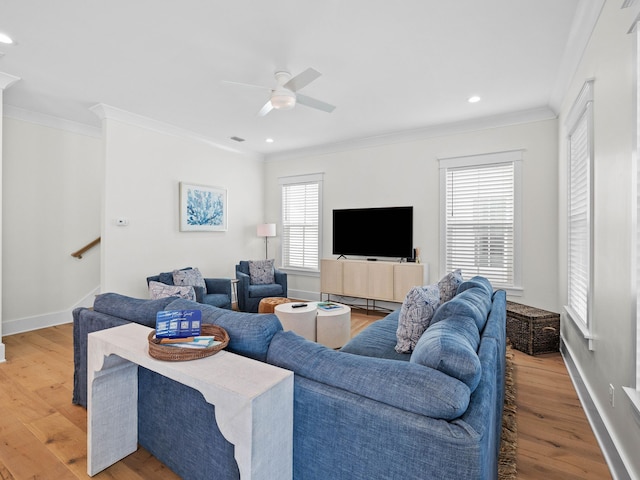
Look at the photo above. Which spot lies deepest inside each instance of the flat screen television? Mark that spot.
(373, 232)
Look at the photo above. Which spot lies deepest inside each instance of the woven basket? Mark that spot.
(532, 330)
(179, 354)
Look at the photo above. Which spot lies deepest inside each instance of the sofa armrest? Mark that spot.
(410, 387)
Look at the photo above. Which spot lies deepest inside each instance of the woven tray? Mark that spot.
(178, 354)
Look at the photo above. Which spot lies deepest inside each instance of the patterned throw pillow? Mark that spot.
(449, 284)
(161, 290)
(415, 316)
(188, 277)
(261, 272)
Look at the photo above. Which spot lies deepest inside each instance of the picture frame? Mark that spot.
(202, 208)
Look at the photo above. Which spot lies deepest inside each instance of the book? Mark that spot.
(191, 342)
(328, 305)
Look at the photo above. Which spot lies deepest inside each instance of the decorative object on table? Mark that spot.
(178, 354)
(216, 291)
(328, 305)
(174, 324)
(532, 330)
(250, 293)
(266, 230)
(202, 208)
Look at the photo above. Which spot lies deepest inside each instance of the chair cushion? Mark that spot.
(261, 291)
(261, 272)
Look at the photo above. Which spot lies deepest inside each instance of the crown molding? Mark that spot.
(109, 112)
(6, 80)
(465, 126)
(38, 118)
(584, 22)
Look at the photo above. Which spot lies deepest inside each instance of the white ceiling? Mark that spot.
(387, 66)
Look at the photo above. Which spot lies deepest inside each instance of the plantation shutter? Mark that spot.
(301, 222)
(480, 223)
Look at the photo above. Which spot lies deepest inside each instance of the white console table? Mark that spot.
(253, 402)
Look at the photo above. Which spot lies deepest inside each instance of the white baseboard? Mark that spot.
(27, 324)
(614, 460)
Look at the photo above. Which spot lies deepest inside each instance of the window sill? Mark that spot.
(580, 326)
(634, 396)
(300, 271)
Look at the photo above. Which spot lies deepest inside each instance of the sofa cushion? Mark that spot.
(378, 340)
(161, 290)
(404, 385)
(449, 284)
(136, 310)
(190, 276)
(450, 347)
(476, 281)
(415, 316)
(261, 272)
(249, 333)
(473, 302)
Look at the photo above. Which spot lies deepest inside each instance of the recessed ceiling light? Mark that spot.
(269, 140)
(474, 99)
(4, 38)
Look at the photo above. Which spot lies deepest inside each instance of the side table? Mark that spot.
(301, 320)
(250, 397)
(333, 327)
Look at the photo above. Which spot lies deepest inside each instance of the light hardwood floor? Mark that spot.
(43, 436)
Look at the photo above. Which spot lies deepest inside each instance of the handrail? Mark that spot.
(88, 246)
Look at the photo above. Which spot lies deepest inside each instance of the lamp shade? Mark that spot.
(267, 230)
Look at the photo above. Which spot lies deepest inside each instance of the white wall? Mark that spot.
(51, 205)
(609, 60)
(407, 173)
(143, 168)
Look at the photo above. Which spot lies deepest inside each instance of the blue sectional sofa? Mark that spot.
(364, 412)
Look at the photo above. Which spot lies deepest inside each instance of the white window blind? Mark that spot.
(480, 221)
(578, 221)
(301, 200)
(580, 128)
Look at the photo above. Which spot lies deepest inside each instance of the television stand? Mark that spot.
(380, 280)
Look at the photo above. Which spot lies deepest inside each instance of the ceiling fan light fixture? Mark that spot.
(283, 100)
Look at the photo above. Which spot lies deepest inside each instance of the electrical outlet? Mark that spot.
(611, 392)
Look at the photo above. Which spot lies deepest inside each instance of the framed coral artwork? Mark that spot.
(202, 208)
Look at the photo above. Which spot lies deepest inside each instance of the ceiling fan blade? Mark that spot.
(313, 103)
(302, 79)
(261, 87)
(265, 109)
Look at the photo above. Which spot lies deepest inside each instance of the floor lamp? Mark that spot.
(266, 230)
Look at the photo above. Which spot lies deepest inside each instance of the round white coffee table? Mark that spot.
(333, 327)
(301, 320)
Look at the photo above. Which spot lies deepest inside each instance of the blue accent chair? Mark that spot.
(217, 293)
(249, 295)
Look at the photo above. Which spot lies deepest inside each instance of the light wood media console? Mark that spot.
(377, 280)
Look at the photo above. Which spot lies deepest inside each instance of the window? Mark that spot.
(301, 201)
(480, 201)
(579, 231)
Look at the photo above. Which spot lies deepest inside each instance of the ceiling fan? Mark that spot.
(285, 95)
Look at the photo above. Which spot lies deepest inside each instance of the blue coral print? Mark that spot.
(205, 208)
